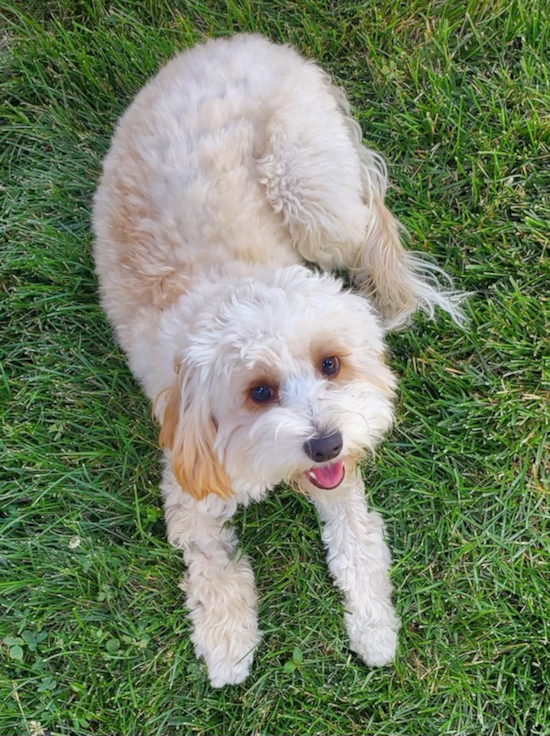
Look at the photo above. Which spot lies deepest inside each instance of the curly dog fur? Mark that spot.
(235, 184)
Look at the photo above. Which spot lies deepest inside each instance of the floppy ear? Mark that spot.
(189, 431)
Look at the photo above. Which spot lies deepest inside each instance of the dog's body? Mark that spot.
(234, 166)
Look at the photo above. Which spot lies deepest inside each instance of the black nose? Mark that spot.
(326, 447)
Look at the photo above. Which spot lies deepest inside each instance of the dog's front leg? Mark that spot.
(221, 594)
(359, 562)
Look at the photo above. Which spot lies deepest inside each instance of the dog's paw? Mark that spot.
(376, 643)
(222, 603)
(222, 671)
(227, 649)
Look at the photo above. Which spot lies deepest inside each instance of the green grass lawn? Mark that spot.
(93, 626)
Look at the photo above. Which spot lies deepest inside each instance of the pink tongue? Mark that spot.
(328, 476)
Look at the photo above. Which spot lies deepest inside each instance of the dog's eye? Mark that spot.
(262, 394)
(330, 366)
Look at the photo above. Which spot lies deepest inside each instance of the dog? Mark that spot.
(235, 185)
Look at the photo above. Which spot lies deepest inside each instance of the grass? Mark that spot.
(93, 625)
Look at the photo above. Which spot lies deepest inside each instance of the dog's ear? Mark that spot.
(189, 432)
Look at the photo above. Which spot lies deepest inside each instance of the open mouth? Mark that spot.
(326, 477)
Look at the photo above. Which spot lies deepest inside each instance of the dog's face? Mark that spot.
(287, 382)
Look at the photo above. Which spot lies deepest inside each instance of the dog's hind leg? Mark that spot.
(359, 562)
(219, 583)
(330, 191)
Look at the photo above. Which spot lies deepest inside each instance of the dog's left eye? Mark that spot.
(262, 394)
(330, 366)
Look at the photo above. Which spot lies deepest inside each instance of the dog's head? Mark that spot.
(284, 381)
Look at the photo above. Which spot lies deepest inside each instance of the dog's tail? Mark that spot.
(397, 281)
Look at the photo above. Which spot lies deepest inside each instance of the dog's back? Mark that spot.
(193, 180)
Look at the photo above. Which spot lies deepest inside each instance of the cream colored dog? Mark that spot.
(232, 169)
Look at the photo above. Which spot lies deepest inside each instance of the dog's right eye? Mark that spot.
(262, 393)
(330, 366)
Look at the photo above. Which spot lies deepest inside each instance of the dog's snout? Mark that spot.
(326, 447)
